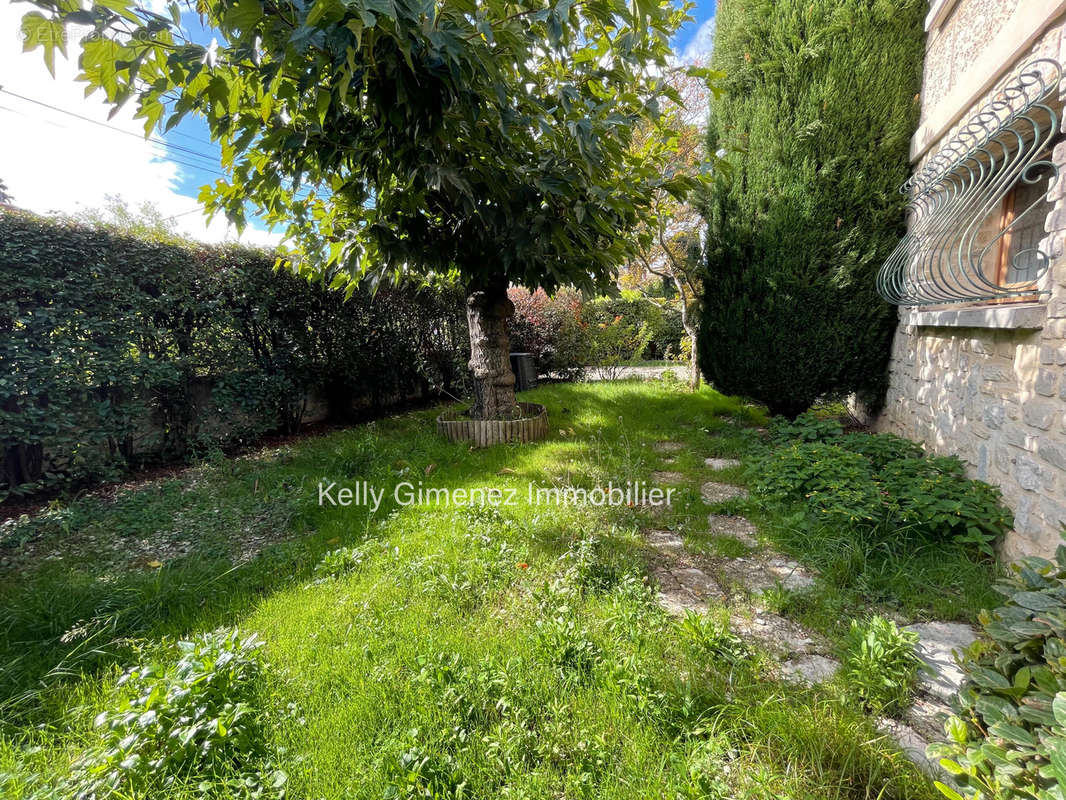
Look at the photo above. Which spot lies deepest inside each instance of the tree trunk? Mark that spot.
(690, 331)
(488, 315)
(693, 362)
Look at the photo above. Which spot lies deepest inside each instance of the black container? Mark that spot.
(525, 371)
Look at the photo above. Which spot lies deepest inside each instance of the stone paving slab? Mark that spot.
(759, 574)
(927, 716)
(936, 643)
(713, 492)
(809, 670)
(667, 447)
(780, 636)
(911, 743)
(721, 463)
(664, 541)
(684, 589)
(733, 527)
(667, 477)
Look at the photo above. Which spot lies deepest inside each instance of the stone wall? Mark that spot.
(986, 382)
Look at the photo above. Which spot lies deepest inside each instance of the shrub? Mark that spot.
(807, 427)
(817, 114)
(881, 449)
(653, 331)
(882, 482)
(1008, 739)
(564, 334)
(880, 664)
(117, 350)
(934, 496)
(550, 328)
(191, 721)
(832, 482)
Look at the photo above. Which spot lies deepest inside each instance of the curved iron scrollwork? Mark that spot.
(951, 251)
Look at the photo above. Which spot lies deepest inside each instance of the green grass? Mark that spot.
(470, 652)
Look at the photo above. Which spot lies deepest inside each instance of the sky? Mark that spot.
(59, 152)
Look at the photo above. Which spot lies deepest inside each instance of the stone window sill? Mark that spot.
(1023, 316)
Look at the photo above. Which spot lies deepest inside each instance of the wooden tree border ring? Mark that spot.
(531, 427)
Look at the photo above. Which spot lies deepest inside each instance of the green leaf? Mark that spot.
(245, 15)
(38, 31)
(1058, 708)
(947, 791)
(1036, 601)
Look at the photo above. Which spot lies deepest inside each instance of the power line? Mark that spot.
(150, 139)
(82, 117)
(164, 155)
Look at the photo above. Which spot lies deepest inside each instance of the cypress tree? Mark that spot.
(820, 104)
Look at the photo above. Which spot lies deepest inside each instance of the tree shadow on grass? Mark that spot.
(62, 620)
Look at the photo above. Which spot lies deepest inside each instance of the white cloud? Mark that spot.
(702, 44)
(54, 162)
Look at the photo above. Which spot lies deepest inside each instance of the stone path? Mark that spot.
(714, 493)
(721, 463)
(937, 642)
(734, 528)
(667, 477)
(667, 447)
(923, 722)
(687, 581)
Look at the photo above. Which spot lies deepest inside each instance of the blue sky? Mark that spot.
(45, 116)
(695, 38)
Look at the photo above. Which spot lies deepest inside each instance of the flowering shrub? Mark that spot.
(551, 328)
(565, 333)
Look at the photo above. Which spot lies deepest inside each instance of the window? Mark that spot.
(1025, 209)
(977, 208)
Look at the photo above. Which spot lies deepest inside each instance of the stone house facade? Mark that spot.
(982, 378)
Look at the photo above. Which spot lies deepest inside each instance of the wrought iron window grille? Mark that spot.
(951, 251)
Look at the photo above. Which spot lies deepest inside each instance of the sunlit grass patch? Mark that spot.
(448, 650)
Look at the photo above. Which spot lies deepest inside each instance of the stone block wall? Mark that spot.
(987, 383)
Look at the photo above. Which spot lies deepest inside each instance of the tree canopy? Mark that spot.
(406, 136)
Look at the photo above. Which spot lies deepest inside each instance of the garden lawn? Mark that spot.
(426, 651)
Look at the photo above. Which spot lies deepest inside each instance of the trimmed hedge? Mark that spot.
(117, 351)
(819, 106)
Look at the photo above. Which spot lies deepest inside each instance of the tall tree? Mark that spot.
(669, 244)
(819, 106)
(412, 137)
